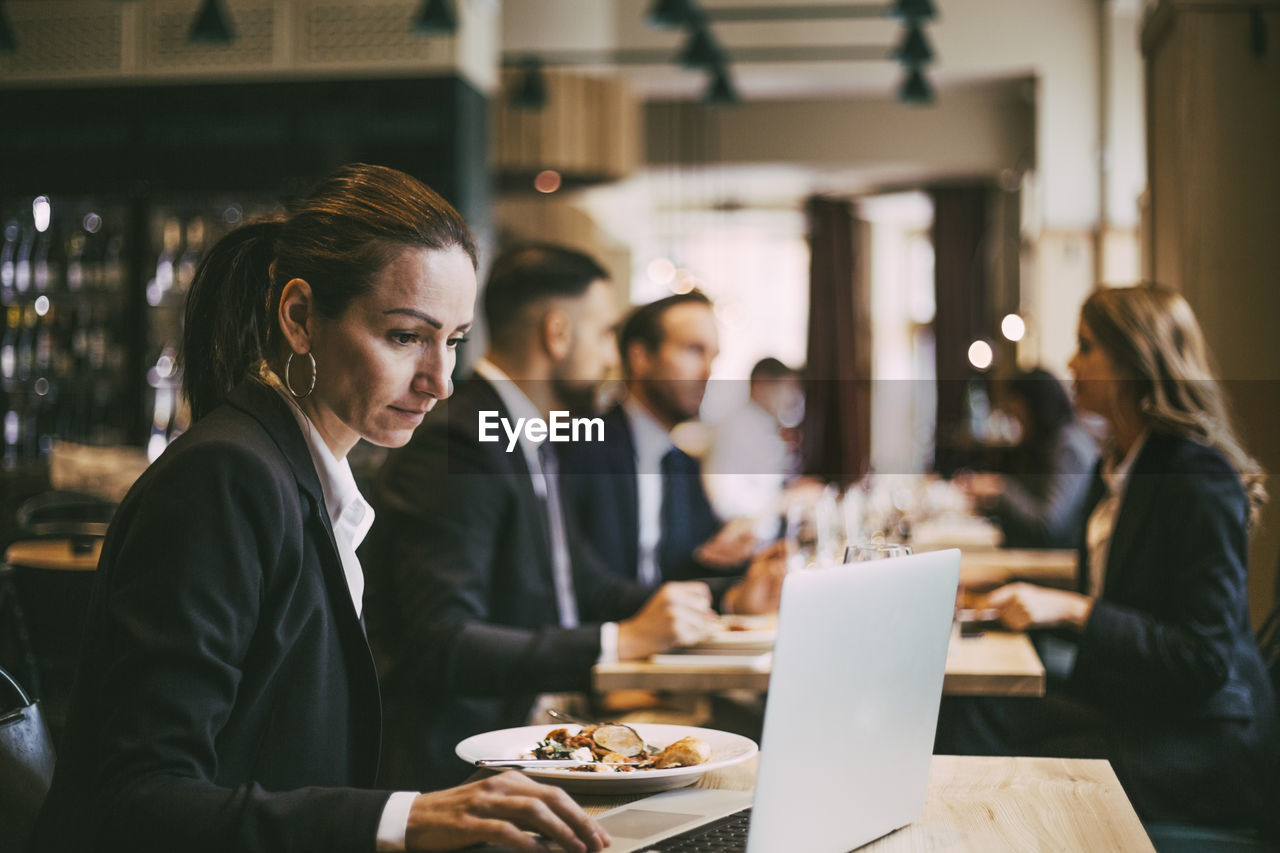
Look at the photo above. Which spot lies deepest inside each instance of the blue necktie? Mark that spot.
(561, 568)
(679, 481)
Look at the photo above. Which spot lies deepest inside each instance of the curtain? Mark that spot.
(836, 435)
(960, 291)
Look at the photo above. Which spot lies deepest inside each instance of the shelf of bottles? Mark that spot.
(63, 280)
(180, 229)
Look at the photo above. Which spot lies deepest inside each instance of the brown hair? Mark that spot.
(1152, 336)
(337, 238)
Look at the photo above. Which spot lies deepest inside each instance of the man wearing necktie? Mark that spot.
(638, 497)
(481, 595)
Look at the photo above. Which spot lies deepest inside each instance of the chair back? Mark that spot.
(1269, 646)
(26, 763)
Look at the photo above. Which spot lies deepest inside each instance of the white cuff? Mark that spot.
(395, 821)
(608, 643)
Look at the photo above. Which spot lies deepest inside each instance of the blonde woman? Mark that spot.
(1166, 681)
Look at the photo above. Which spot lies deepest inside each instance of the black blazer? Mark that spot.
(461, 602)
(600, 488)
(1169, 654)
(226, 697)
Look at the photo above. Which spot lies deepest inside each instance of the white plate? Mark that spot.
(726, 749)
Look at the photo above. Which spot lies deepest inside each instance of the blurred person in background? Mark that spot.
(750, 460)
(483, 595)
(226, 697)
(1039, 503)
(640, 500)
(1166, 680)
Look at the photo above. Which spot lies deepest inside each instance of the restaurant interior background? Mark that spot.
(917, 171)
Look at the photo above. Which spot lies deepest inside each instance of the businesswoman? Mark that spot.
(226, 698)
(1167, 681)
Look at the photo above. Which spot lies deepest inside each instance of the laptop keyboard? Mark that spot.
(727, 835)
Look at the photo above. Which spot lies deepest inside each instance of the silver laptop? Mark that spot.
(850, 719)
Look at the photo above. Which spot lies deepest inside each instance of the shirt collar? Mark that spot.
(517, 404)
(651, 438)
(1116, 474)
(347, 508)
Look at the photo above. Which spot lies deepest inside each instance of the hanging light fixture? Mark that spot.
(435, 18)
(670, 14)
(915, 88)
(721, 92)
(7, 42)
(914, 49)
(530, 92)
(913, 10)
(701, 51)
(212, 25)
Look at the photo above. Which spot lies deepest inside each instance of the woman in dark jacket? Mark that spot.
(1040, 502)
(1166, 680)
(226, 697)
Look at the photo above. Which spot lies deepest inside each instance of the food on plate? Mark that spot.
(613, 748)
(685, 752)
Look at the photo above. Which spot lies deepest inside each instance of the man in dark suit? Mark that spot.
(639, 498)
(481, 594)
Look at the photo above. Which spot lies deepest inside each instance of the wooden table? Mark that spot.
(988, 805)
(55, 554)
(993, 664)
(984, 568)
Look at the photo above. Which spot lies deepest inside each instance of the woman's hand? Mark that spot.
(502, 809)
(1024, 605)
(984, 489)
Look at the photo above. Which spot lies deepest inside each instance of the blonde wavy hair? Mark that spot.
(1155, 342)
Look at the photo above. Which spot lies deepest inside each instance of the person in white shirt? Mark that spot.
(226, 697)
(750, 461)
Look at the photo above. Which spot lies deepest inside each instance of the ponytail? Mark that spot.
(226, 322)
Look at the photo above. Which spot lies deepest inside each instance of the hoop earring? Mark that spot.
(288, 362)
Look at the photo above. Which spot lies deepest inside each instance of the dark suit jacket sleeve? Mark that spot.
(183, 612)
(1172, 639)
(448, 537)
(1045, 509)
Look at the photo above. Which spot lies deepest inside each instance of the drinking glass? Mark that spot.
(865, 551)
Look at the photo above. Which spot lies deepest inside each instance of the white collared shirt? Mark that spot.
(351, 517)
(652, 442)
(349, 513)
(1102, 520)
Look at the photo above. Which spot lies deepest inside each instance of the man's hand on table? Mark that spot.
(502, 809)
(760, 589)
(677, 614)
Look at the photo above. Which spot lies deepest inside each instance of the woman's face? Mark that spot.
(1096, 378)
(383, 364)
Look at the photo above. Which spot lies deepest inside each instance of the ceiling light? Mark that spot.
(914, 48)
(913, 10)
(980, 355)
(7, 42)
(915, 88)
(701, 51)
(1013, 327)
(530, 92)
(721, 92)
(212, 25)
(668, 14)
(435, 18)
